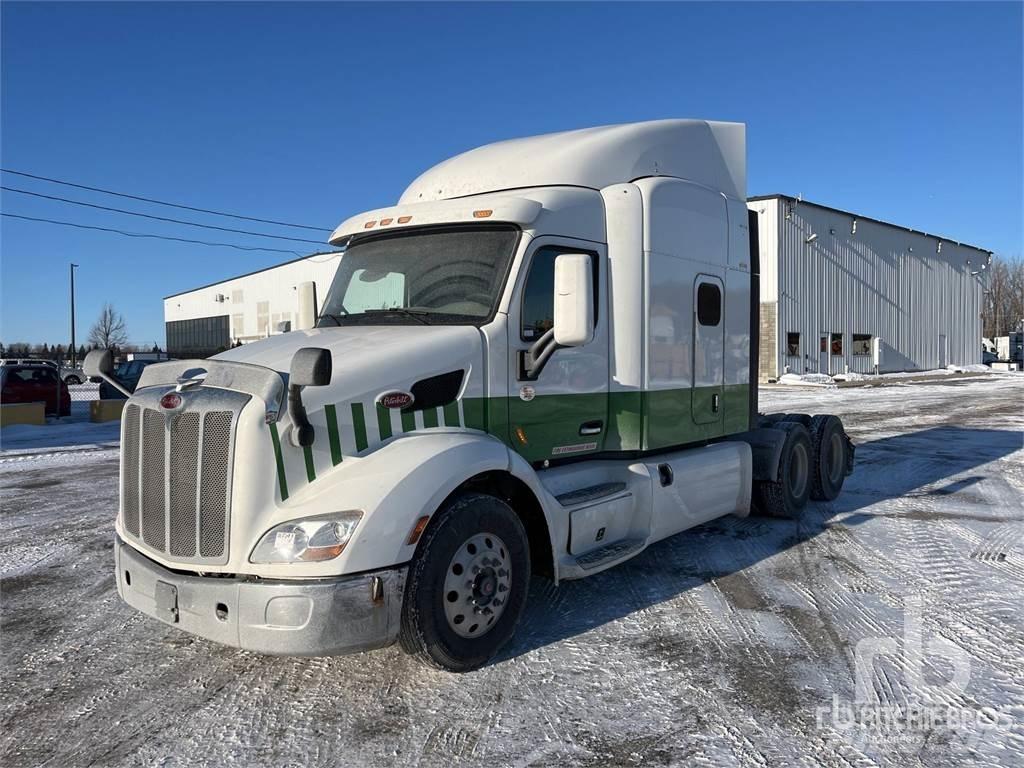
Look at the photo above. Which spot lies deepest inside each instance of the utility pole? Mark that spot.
(74, 350)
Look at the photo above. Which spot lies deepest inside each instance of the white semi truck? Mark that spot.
(541, 361)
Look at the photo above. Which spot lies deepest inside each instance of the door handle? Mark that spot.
(591, 427)
(714, 403)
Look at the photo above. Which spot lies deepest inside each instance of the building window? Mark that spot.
(262, 317)
(793, 344)
(837, 344)
(198, 337)
(236, 297)
(861, 344)
(709, 304)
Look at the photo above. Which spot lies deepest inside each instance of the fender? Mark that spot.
(394, 486)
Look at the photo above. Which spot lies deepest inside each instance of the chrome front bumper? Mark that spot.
(313, 617)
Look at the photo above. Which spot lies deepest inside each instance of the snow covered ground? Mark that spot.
(883, 629)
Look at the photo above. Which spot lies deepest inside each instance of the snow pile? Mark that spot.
(808, 379)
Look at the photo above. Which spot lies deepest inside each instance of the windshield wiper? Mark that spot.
(415, 314)
(336, 318)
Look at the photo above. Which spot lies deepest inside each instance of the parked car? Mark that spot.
(73, 375)
(34, 384)
(128, 374)
(28, 361)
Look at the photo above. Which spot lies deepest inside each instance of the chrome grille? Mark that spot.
(176, 473)
(154, 525)
(213, 494)
(184, 477)
(130, 481)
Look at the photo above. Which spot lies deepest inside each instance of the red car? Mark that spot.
(34, 384)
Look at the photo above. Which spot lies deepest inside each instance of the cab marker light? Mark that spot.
(385, 222)
(483, 214)
(369, 225)
(417, 530)
(404, 219)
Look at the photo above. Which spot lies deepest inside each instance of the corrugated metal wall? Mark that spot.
(882, 280)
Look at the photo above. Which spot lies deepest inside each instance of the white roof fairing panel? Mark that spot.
(706, 152)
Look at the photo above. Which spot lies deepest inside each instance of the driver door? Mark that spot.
(563, 412)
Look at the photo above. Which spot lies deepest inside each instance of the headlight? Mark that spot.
(315, 538)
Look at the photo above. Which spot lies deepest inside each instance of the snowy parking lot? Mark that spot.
(885, 628)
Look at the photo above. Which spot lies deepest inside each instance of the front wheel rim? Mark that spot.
(477, 585)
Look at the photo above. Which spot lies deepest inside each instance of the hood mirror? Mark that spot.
(311, 367)
(100, 364)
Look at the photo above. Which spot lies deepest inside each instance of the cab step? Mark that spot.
(609, 554)
(590, 493)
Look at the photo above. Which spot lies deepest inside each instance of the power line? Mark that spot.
(148, 235)
(158, 218)
(163, 202)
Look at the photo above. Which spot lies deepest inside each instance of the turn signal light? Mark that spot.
(483, 214)
(417, 530)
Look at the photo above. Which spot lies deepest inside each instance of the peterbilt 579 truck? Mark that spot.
(542, 360)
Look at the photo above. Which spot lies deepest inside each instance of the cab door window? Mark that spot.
(538, 310)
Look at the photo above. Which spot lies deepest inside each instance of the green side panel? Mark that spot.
(552, 422)
(736, 401)
(359, 426)
(384, 421)
(451, 415)
(408, 421)
(430, 418)
(625, 421)
(332, 433)
(473, 410)
(307, 454)
(498, 417)
(282, 482)
(668, 418)
(701, 404)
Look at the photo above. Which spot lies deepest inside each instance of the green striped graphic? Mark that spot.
(451, 414)
(473, 410)
(359, 426)
(307, 454)
(384, 421)
(408, 421)
(429, 418)
(281, 481)
(332, 433)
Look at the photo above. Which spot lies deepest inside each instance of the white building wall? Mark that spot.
(257, 302)
(881, 280)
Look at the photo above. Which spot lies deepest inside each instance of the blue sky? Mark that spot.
(310, 113)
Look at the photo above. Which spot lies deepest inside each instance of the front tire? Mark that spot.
(467, 584)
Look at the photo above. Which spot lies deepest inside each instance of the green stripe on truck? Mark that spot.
(359, 426)
(282, 483)
(332, 433)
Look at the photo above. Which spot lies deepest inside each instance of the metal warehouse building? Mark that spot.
(207, 320)
(844, 292)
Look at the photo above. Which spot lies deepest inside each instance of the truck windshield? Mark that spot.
(450, 276)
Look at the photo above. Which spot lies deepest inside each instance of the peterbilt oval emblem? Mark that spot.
(395, 399)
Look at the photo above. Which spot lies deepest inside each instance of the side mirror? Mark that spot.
(99, 364)
(307, 315)
(574, 300)
(311, 367)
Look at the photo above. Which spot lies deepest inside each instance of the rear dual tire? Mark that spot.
(787, 495)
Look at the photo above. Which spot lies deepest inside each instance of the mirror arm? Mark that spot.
(539, 353)
(303, 433)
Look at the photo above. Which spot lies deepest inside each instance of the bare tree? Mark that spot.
(1003, 307)
(109, 330)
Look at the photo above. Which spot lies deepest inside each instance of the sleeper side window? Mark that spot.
(709, 304)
